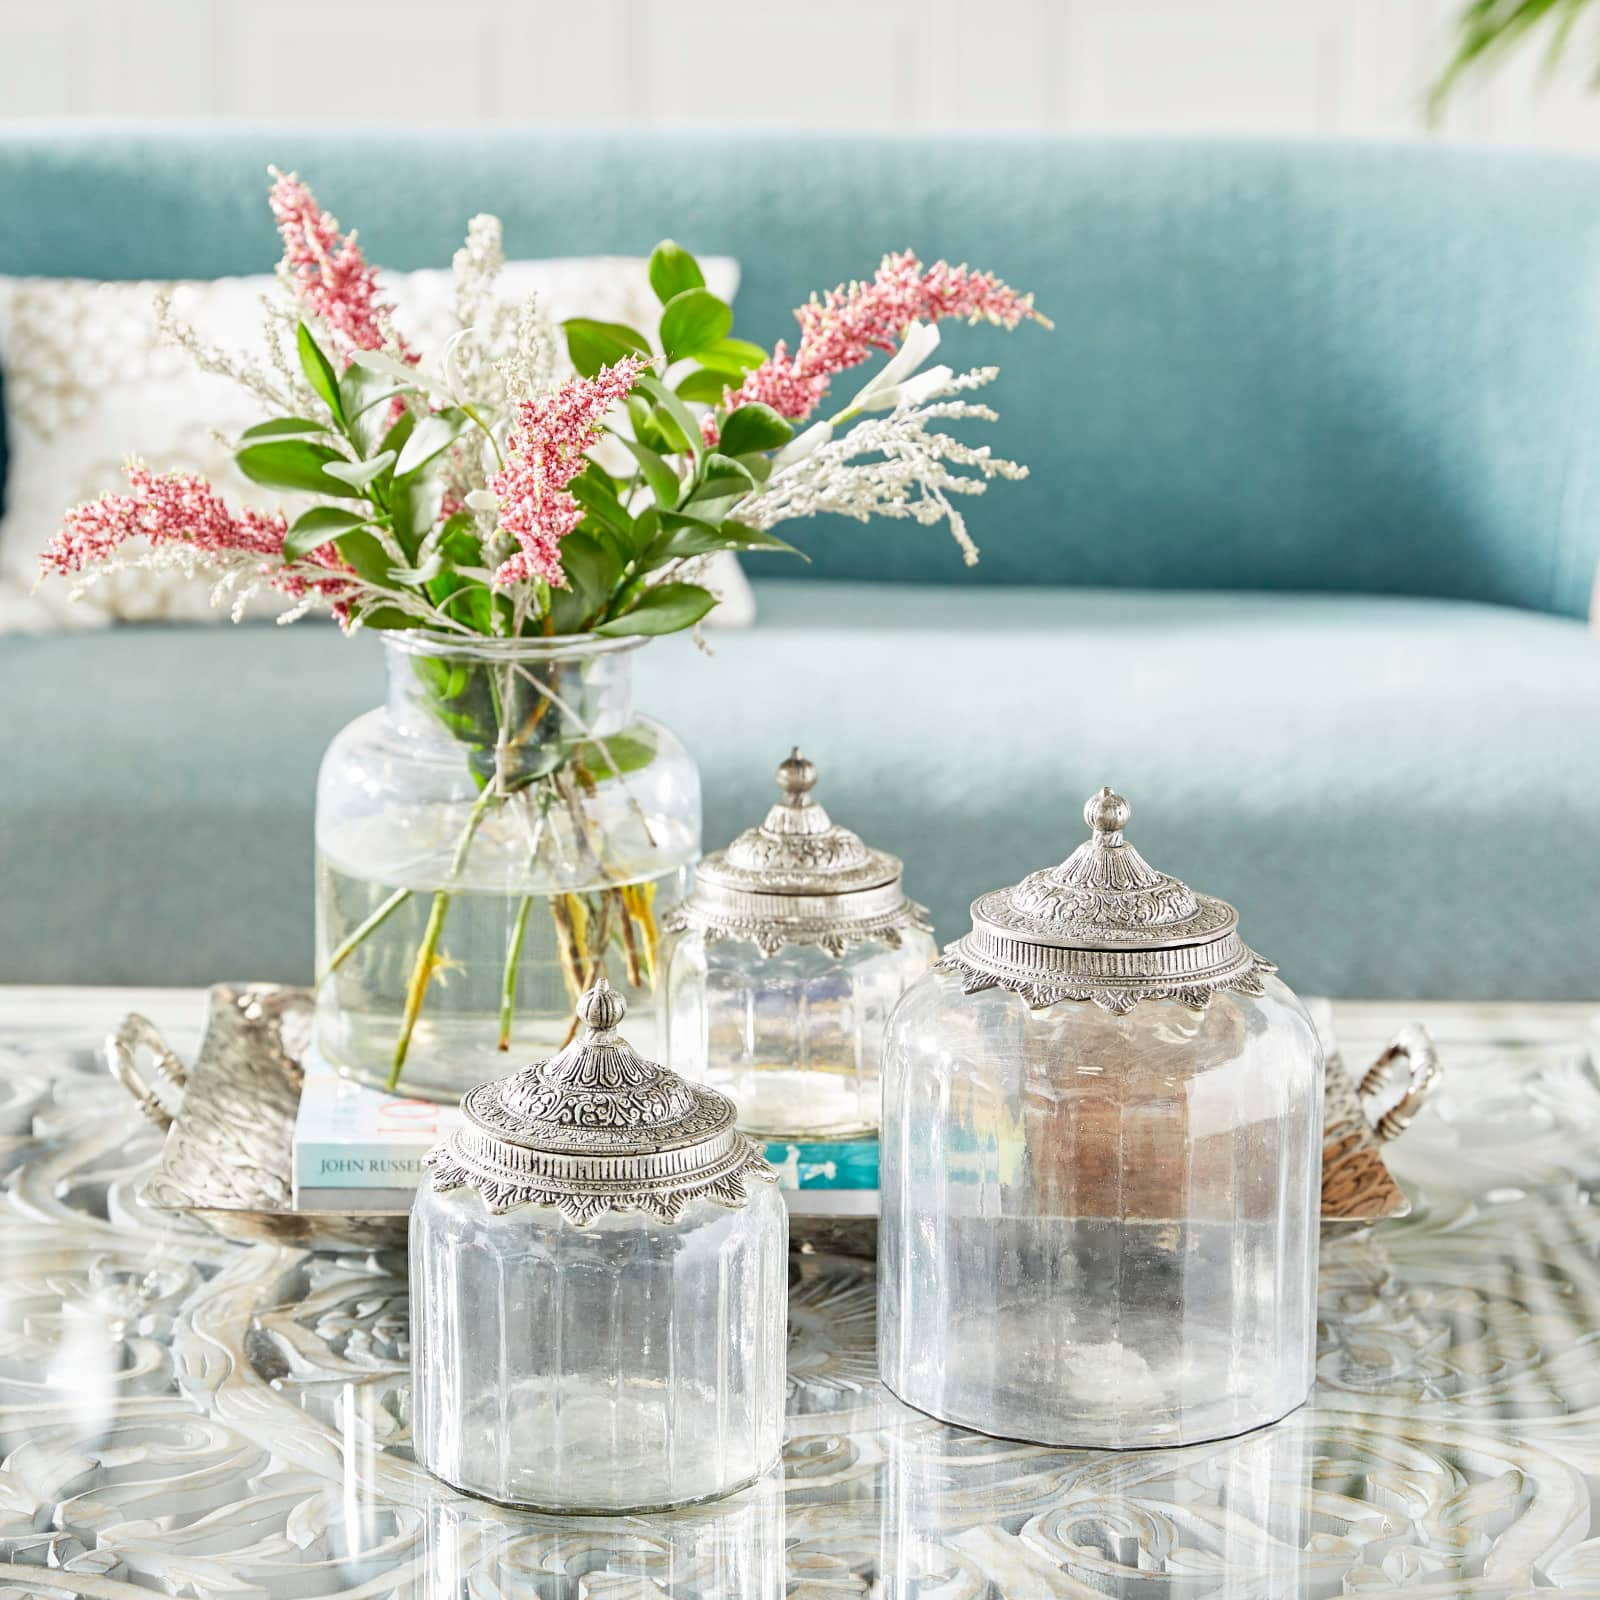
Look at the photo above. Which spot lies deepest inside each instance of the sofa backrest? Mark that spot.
(1310, 366)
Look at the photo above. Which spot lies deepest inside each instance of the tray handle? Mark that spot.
(1412, 1047)
(122, 1057)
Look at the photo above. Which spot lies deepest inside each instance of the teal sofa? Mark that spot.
(1303, 565)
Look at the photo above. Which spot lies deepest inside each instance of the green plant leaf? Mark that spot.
(597, 494)
(672, 270)
(593, 345)
(754, 427)
(316, 527)
(618, 755)
(706, 387)
(693, 320)
(291, 464)
(591, 569)
(645, 427)
(658, 474)
(667, 608)
(681, 415)
(283, 428)
(358, 474)
(732, 355)
(431, 435)
(684, 535)
(360, 389)
(319, 372)
(758, 466)
(388, 619)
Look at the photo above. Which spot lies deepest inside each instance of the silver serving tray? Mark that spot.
(230, 1116)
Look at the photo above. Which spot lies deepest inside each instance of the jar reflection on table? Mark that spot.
(972, 1517)
(734, 1547)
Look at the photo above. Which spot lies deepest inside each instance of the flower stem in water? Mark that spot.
(426, 963)
(508, 980)
(365, 931)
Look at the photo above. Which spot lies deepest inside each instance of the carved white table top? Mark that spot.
(183, 1415)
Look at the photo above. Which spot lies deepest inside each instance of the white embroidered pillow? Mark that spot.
(89, 381)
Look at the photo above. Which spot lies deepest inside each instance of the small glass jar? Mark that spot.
(1099, 1164)
(784, 964)
(502, 830)
(598, 1288)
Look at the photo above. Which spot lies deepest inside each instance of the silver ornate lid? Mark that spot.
(799, 879)
(598, 1128)
(1105, 926)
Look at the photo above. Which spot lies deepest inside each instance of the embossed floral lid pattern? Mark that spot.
(799, 879)
(798, 849)
(1105, 926)
(598, 1127)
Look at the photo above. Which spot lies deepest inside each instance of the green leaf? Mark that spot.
(693, 536)
(706, 387)
(666, 608)
(360, 389)
(290, 464)
(679, 412)
(732, 355)
(591, 569)
(754, 427)
(319, 372)
(738, 537)
(658, 474)
(429, 437)
(317, 527)
(672, 270)
(616, 756)
(724, 474)
(434, 565)
(283, 428)
(593, 345)
(388, 619)
(758, 466)
(358, 474)
(645, 428)
(597, 494)
(693, 320)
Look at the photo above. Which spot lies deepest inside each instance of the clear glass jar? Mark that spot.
(795, 1038)
(599, 1273)
(620, 1365)
(1100, 1205)
(783, 965)
(502, 830)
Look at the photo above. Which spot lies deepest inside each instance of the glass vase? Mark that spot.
(501, 832)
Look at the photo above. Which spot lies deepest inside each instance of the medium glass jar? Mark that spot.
(503, 830)
(783, 965)
(1100, 1161)
(598, 1288)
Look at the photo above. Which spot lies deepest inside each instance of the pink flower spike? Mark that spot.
(165, 508)
(330, 274)
(544, 453)
(844, 327)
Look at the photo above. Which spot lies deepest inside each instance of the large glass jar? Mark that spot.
(783, 965)
(598, 1288)
(1100, 1161)
(502, 831)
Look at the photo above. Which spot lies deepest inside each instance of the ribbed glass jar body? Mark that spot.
(794, 1039)
(1100, 1230)
(502, 831)
(619, 1365)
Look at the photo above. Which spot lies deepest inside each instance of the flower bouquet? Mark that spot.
(514, 515)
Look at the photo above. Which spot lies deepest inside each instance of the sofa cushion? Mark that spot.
(1399, 795)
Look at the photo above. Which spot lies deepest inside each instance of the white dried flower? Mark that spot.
(890, 466)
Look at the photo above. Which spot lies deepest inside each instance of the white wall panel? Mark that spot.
(1357, 67)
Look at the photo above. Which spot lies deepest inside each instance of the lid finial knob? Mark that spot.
(796, 777)
(601, 1007)
(1107, 813)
